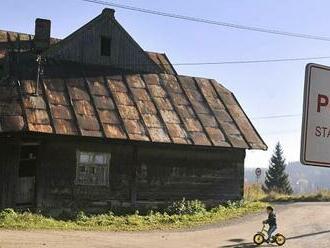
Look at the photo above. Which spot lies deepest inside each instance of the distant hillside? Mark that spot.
(303, 178)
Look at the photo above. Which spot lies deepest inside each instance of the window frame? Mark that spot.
(91, 167)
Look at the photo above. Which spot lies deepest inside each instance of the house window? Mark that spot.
(105, 46)
(92, 168)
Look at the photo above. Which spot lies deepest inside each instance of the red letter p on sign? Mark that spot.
(322, 101)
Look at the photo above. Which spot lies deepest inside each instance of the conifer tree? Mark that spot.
(276, 178)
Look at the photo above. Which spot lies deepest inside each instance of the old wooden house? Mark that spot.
(93, 122)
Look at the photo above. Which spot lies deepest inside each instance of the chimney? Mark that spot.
(42, 34)
(108, 12)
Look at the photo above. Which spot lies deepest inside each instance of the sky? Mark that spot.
(266, 89)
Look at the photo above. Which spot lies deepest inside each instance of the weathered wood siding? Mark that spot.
(144, 175)
(56, 187)
(9, 160)
(211, 176)
(84, 46)
(138, 175)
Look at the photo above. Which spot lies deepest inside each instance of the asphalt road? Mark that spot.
(304, 225)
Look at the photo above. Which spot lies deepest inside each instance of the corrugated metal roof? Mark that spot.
(150, 107)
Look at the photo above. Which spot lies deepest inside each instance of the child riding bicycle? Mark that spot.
(271, 221)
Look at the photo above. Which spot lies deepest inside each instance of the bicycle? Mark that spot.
(260, 237)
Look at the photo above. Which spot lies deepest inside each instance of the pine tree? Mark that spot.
(276, 177)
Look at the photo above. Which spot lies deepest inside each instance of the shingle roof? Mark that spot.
(15, 37)
(151, 107)
(162, 61)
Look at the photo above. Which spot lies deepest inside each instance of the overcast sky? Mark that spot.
(262, 89)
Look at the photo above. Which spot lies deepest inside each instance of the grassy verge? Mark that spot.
(254, 192)
(10, 219)
(181, 214)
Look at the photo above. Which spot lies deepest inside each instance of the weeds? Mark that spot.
(186, 207)
(179, 215)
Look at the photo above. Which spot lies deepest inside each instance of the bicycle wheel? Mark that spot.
(279, 239)
(258, 239)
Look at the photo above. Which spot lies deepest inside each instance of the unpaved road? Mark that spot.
(304, 224)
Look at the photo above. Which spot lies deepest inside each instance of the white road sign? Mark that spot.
(315, 138)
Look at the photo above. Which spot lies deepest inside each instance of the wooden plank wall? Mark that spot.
(56, 187)
(83, 46)
(173, 174)
(162, 175)
(9, 160)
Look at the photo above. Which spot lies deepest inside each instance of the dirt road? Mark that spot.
(304, 224)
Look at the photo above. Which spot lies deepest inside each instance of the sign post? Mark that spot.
(258, 174)
(315, 135)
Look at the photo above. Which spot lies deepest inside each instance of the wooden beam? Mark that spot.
(133, 184)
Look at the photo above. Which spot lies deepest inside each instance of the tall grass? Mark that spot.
(254, 192)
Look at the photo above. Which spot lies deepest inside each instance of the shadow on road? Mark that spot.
(308, 234)
(239, 243)
(236, 240)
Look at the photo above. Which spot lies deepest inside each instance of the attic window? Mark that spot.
(105, 46)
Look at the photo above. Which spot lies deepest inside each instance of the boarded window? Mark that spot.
(92, 168)
(105, 46)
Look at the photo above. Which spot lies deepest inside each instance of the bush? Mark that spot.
(7, 213)
(81, 216)
(186, 207)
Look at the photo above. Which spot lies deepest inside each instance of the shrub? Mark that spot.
(186, 207)
(7, 213)
(81, 216)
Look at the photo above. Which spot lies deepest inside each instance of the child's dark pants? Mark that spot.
(271, 230)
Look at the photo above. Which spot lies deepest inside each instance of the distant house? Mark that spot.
(94, 122)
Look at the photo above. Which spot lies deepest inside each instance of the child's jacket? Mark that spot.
(271, 219)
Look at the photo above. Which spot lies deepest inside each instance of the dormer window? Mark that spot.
(105, 46)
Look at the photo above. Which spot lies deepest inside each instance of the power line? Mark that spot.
(250, 61)
(233, 62)
(290, 131)
(275, 117)
(211, 22)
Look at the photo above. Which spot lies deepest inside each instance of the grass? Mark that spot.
(254, 192)
(9, 219)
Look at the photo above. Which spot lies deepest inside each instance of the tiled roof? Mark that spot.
(162, 61)
(151, 107)
(10, 36)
